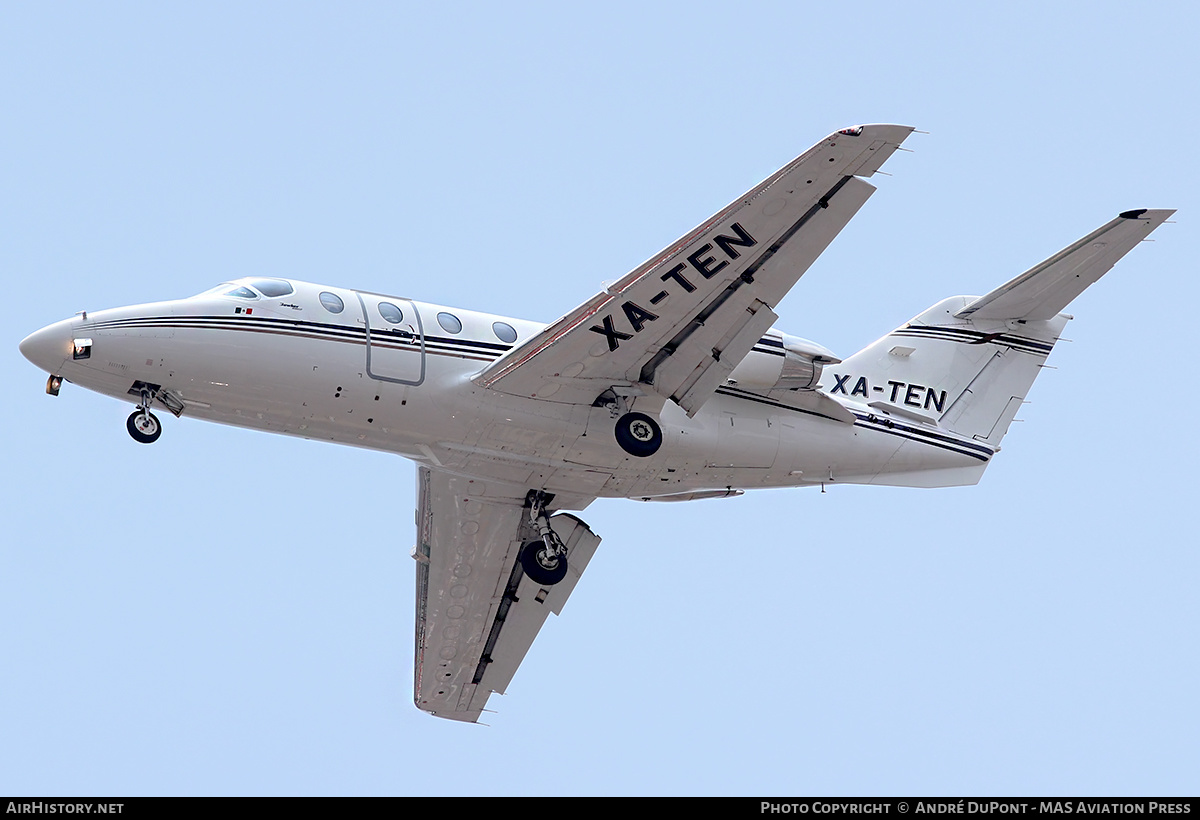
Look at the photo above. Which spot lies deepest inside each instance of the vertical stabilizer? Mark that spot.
(962, 368)
(965, 376)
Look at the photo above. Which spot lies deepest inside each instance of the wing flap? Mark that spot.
(1043, 291)
(533, 603)
(703, 362)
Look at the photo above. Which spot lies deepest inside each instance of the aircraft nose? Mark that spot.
(49, 347)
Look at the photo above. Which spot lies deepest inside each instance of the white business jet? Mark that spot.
(671, 385)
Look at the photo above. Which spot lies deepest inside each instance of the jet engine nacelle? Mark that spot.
(783, 362)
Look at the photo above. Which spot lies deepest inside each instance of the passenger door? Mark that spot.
(395, 339)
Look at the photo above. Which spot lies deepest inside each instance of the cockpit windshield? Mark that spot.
(271, 288)
(229, 289)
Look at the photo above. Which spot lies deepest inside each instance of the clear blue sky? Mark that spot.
(228, 612)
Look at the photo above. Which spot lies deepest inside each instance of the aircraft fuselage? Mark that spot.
(289, 365)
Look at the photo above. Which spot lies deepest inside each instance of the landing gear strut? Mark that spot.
(638, 434)
(142, 424)
(545, 561)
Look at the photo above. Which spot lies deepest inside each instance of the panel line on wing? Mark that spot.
(507, 599)
(747, 277)
(774, 247)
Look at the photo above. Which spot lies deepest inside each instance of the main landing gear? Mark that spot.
(638, 434)
(545, 561)
(544, 565)
(143, 425)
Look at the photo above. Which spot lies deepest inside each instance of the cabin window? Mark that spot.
(449, 322)
(332, 302)
(390, 312)
(504, 332)
(272, 287)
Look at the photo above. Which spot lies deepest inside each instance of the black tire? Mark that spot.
(541, 567)
(638, 434)
(143, 426)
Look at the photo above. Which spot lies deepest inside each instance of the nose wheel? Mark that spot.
(638, 434)
(144, 426)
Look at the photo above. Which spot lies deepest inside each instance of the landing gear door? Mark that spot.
(395, 339)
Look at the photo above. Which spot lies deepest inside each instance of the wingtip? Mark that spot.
(1147, 213)
(857, 130)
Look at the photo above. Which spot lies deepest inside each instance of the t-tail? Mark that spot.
(962, 368)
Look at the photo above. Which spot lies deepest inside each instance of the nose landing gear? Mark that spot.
(143, 425)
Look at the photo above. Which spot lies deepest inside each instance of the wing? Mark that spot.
(1045, 289)
(477, 611)
(680, 323)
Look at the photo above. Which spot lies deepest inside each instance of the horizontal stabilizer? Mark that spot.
(814, 402)
(1044, 290)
